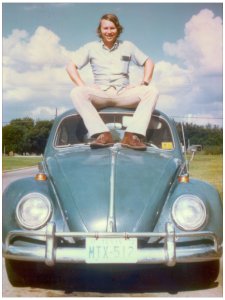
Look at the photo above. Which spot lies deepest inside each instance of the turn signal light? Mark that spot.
(183, 178)
(41, 177)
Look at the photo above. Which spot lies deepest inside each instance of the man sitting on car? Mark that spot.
(110, 60)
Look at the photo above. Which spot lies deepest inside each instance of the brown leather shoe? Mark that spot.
(103, 140)
(131, 140)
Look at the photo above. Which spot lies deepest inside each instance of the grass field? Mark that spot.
(16, 162)
(208, 168)
(204, 167)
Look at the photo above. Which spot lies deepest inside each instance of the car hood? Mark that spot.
(128, 186)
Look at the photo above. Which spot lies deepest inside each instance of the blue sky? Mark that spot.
(183, 39)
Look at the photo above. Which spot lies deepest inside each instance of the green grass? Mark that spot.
(208, 168)
(14, 162)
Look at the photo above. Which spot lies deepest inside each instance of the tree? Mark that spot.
(15, 135)
(207, 136)
(39, 135)
(12, 138)
(23, 135)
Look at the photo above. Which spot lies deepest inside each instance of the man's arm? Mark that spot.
(148, 70)
(74, 74)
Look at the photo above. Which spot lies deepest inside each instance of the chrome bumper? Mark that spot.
(168, 254)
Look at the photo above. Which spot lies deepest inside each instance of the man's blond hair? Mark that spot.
(112, 18)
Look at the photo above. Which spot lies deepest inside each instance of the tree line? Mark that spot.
(208, 136)
(23, 136)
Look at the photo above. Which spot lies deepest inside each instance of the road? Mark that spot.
(150, 282)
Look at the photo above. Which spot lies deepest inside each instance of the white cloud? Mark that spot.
(41, 49)
(194, 87)
(18, 94)
(34, 67)
(43, 112)
(171, 78)
(167, 103)
(201, 47)
(46, 82)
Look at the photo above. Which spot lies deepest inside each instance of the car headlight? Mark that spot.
(189, 212)
(33, 211)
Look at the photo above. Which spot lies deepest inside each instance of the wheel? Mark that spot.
(22, 273)
(209, 271)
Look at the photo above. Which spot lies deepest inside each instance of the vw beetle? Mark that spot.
(112, 205)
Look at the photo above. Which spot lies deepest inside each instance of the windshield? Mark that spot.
(72, 131)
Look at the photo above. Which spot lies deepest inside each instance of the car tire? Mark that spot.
(209, 271)
(22, 273)
(204, 273)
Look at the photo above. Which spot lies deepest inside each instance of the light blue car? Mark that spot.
(111, 206)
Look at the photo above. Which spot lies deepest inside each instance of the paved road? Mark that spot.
(151, 282)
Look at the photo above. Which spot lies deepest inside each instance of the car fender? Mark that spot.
(209, 196)
(15, 191)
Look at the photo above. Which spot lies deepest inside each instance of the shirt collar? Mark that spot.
(116, 44)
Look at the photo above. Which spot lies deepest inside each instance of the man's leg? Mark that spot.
(83, 104)
(144, 100)
(82, 100)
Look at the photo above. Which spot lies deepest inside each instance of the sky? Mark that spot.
(183, 39)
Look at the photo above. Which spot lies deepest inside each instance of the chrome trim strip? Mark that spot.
(111, 224)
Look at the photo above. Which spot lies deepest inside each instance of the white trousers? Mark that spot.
(87, 100)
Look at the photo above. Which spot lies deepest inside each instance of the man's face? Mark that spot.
(109, 32)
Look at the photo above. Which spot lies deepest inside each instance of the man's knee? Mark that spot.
(153, 91)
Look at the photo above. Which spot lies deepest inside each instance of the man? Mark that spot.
(110, 59)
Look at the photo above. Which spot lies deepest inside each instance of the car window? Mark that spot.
(159, 134)
(73, 131)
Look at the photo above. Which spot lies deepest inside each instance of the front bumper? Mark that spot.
(168, 253)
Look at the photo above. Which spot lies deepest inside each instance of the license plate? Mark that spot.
(111, 250)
